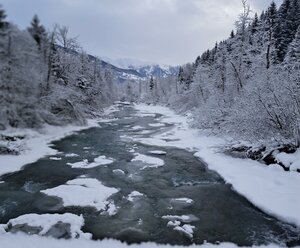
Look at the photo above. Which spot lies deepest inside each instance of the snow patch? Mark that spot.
(151, 162)
(185, 229)
(71, 155)
(183, 200)
(101, 160)
(157, 152)
(134, 194)
(291, 161)
(156, 124)
(89, 193)
(46, 221)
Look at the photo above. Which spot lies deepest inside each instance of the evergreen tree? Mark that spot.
(254, 25)
(232, 34)
(284, 33)
(37, 30)
(3, 23)
(151, 84)
(293, 55)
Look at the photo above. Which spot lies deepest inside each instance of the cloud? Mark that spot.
(164, 31)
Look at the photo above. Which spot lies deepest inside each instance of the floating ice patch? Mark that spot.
(119, 172)
(182, 218)
(173, 223)
(134, 194)
(135, 128)
(186, 230)
(80, 164)
(157, 125)
(101, 160)
(111, 209)
(151, 162)
(183, 200)
(86, 148)
(55, 158)
(71, 155)
(83, 192)
(143, 114)
(142, 132)
(46, 223)
(158, 152)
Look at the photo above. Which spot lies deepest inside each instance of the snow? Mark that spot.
(101, 160)
(20, 240)
(89, 193)
(183, 200)
(291, 161)
(119, 172)
(36, 144)
(46, 221)
(173, 223)
(185, 229)
(158, 152)
(111, 209)
(55, 158)
(182, 218)
(134, 194)
(156, 124)
(151, 162)
(135, 128)
(272, 190)
(71, 155)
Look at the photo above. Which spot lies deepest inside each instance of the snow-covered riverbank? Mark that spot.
(35, 143)
(269, 188)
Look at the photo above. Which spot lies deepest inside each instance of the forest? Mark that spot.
(248, 84)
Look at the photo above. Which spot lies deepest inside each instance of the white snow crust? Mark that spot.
(89, 193)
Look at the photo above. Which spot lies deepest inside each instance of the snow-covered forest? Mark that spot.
(46, 77)
(246, 85)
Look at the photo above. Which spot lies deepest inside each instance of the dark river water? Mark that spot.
(218, 213)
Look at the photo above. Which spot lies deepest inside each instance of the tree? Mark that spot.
(151, 84)
(293, 55)
(3, 23)
(286, 27)
(244, 20)
(37, 31)
(271, 16)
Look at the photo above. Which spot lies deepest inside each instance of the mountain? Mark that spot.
(132, 69)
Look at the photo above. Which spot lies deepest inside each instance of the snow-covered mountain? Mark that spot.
(142, 70)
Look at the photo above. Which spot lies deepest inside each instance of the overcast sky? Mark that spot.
(163, 31)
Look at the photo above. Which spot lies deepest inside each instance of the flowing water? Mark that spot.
(217, 212)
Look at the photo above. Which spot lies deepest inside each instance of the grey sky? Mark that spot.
(164, 31)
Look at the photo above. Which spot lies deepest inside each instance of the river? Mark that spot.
(182, 186)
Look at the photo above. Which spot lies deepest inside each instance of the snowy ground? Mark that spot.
(267, 187)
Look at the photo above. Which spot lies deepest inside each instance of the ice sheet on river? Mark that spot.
(83, 192)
